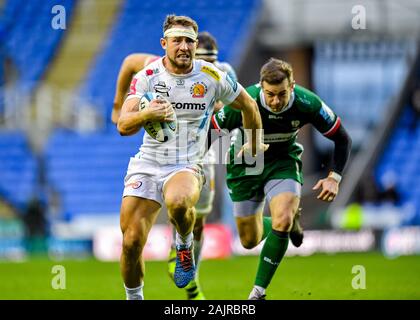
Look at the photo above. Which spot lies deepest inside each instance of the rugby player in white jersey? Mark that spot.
(170, 173)
(207, 50)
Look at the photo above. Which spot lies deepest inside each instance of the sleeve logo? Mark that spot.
(133, 86)
(327, 113)
(211, 72)
(232, 82)
(150, 72)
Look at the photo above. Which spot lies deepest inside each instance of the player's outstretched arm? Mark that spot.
(132, 64)
(252, 121)
(342, 147)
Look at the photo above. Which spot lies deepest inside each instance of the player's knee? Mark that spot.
(283, 221)
(248, 241)
(177, 206)
(133, 241)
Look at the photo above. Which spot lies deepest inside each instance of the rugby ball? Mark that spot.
(160, 131)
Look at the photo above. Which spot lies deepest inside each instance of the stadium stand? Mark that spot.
(29, 39)
(2, 81)
(402, 155)
(18, 170)
(87, 170)
(359, 80)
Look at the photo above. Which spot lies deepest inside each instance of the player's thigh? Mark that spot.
(182, 188)
(283, 196)
(248, 217)
(284, 203)
(137, 217)
(248, 226)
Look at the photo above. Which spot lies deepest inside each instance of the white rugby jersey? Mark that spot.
(192, 96)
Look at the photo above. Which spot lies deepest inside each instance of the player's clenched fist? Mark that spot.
(160, 110)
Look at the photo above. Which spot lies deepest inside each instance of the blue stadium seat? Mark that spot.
(88, 170)
(18, 169)
(402, 155)
(30, 41)
(358, 80)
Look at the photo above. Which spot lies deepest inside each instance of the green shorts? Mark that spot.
(246, 187)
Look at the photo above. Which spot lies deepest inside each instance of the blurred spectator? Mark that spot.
(368, 191)
(389, 192)
(35, 226)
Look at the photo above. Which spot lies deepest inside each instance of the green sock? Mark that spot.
(266, 227)
(272, 253)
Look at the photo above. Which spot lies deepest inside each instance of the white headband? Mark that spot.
(212, 54)
(180, 32)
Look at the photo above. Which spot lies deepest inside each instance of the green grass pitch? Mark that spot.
(315, 277)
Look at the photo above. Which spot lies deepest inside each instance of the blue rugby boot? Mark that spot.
(185, 266)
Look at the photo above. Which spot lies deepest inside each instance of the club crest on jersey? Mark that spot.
(221, 115)
(198, 90)
(295, 123)
(162, 88)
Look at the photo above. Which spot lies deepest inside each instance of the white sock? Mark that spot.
(257, 291)
(134, 293)
(184, 240)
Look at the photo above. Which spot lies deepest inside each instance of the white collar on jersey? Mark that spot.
(289, 105)
(194, 62)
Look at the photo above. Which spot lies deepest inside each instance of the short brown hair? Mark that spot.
(173, 20)
(207, 41)
(275, 71)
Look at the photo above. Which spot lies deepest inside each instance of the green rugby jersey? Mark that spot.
(283, 159)
(281, 128)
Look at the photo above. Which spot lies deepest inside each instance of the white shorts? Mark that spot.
(146, 179)
(205, 202)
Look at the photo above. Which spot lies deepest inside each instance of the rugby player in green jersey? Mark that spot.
(284, 107)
